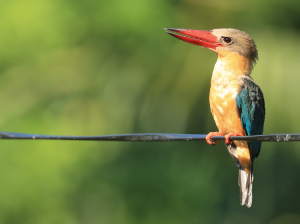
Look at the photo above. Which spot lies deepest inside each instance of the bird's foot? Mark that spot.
(227, 140)
(212, 134)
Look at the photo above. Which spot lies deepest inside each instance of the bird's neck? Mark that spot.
(232, 64)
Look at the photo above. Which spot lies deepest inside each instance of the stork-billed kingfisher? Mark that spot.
(236, 101)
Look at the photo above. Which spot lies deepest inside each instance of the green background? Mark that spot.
(73, 67)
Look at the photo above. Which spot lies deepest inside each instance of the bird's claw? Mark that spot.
(227, 137)
(210, 135)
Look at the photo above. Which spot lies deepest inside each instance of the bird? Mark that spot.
(236, 101)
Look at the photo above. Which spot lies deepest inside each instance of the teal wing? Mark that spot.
(252, 111)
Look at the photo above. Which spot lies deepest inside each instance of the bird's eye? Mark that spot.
(227, 40)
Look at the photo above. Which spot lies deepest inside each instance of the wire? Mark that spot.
(150, 137)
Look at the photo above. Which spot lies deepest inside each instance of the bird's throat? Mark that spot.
(233, 63)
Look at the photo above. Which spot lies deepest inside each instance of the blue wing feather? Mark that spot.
(251, 106)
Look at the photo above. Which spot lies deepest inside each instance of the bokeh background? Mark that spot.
(98, 67)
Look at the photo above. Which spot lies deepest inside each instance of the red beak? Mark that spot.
(202, 38)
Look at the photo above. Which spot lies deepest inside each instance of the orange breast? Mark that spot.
(222, 98)
(223, 104)
(224, 90)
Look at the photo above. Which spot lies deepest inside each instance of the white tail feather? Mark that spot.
(245, 182)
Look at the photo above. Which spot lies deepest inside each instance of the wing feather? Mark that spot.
(251, 104)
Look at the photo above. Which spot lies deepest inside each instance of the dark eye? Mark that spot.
(227, 40)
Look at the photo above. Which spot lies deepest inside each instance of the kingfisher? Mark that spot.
(236, 101)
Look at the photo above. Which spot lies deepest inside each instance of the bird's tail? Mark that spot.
(245, 182)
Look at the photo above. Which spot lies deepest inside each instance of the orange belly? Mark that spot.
(224, 108)
(243, 153)
(225, 112)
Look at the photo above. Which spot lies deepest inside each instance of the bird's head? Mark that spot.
(222, 41)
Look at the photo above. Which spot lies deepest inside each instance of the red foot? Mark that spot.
(227, 141)
(212, 134)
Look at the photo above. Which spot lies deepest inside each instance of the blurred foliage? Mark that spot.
(107, 67)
